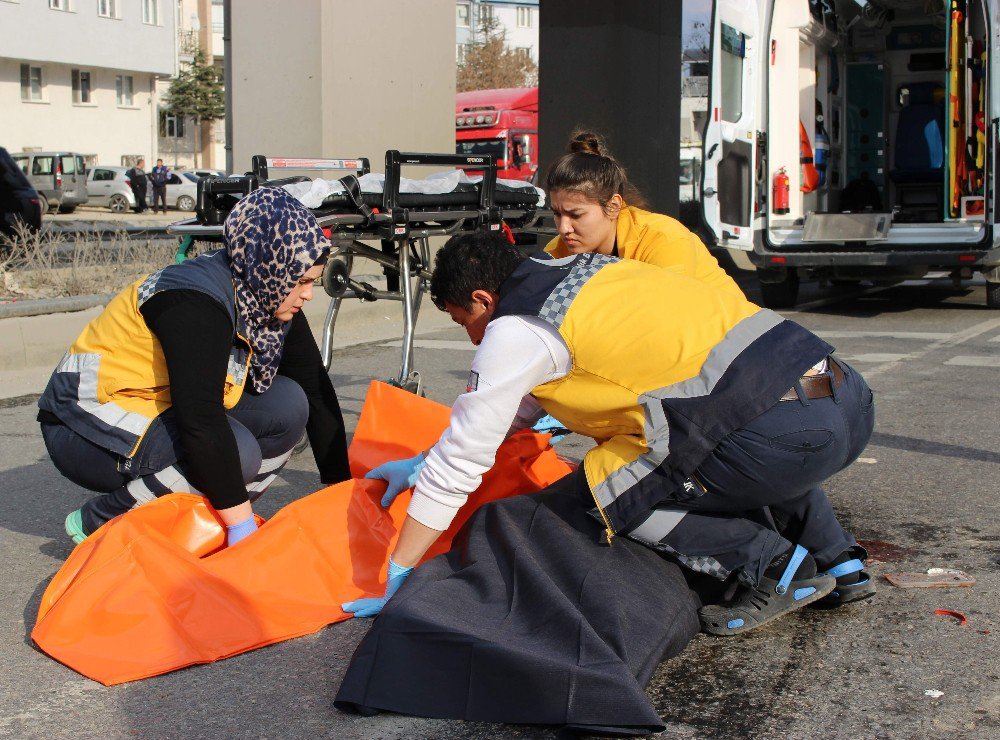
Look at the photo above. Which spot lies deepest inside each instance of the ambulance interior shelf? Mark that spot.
(400, 213)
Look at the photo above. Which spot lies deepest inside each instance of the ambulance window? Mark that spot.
(733, 51)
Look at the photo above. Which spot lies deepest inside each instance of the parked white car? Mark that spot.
(110, 187)
(206, 173)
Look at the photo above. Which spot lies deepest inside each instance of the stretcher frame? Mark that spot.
(403, 233)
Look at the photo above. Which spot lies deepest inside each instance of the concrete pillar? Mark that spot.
(615, 67)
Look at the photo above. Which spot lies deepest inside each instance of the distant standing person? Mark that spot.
(137, 179)
(159, 177)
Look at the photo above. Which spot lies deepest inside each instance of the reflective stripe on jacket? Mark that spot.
(663, 367)
(662, 241)
(113, 381)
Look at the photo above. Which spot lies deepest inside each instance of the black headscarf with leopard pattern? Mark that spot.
(271, 240)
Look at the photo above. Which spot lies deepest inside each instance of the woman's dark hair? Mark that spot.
(588, 168)
(481, 260)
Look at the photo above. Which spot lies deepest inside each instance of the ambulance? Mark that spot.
(851, 140)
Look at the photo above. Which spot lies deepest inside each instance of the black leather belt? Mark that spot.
(817, 386)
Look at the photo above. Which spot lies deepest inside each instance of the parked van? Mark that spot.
(20, 204)
(851, 140)
(60, 177)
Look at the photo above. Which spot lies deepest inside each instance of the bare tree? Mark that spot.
(489, 63)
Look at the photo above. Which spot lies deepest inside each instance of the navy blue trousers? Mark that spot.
(266, 428)
(763, 487)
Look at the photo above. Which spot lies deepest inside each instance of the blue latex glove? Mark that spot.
(401, 474)
(395, 575)
(550, 425)
(241, 530)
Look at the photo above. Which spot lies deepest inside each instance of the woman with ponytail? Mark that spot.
(598, 210)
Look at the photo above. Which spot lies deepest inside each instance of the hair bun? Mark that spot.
(586, 142)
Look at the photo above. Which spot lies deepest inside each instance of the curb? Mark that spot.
(34, 334)
(41, 306)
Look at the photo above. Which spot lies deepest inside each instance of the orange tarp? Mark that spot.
(151, 591)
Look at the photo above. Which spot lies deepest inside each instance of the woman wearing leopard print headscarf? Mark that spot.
(201, 377)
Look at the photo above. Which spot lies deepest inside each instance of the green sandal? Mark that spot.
(74, 527)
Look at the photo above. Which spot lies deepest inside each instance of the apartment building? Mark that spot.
(181, 142)
(81, 75)
(517, 18)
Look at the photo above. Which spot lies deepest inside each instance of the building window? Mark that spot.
(107, 8)
(462, 15)
(733, 53)
(524, 17)
(81, 86)
(485, 13)
(523, 51)
(31, 83)
(171, 126)
(123, 90)
(151, 12)
(59, 5)
(218, 17)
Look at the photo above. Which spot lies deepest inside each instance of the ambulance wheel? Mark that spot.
(992, 295)
(783, 293)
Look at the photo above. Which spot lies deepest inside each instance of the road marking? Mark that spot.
(974, 361)
(958, 338)
(996, 338)
(867, 460)
(466, 345)
(878, 357)
(928, 335)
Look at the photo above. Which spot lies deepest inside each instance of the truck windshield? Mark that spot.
(478, 148)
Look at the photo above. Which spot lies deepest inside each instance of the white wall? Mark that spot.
(343, 79)
(101, 128)
(30, 30)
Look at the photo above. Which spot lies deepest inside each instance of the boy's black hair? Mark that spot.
(481, 260)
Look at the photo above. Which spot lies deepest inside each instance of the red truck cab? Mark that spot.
(503, 123)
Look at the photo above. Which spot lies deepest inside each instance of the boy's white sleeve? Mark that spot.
(516, 355)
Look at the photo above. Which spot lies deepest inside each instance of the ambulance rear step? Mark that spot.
(846, 227)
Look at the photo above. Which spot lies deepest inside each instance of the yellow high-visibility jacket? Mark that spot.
(663, 367)
(113, 381)
(662, 241)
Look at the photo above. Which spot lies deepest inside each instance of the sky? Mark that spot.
(696, 10)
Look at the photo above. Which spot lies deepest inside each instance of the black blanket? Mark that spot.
(529, 618)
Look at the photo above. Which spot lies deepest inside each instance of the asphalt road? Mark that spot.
(923, 495)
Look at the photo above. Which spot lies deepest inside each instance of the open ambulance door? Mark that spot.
(731, 131)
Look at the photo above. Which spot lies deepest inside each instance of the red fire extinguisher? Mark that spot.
(779, 198)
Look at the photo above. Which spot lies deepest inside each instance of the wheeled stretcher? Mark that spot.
(399, 213)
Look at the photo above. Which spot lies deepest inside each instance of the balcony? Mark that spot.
(187, 44)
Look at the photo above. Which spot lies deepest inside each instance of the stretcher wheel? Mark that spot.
(336, 278)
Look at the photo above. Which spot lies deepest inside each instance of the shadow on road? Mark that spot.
(929, 447)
